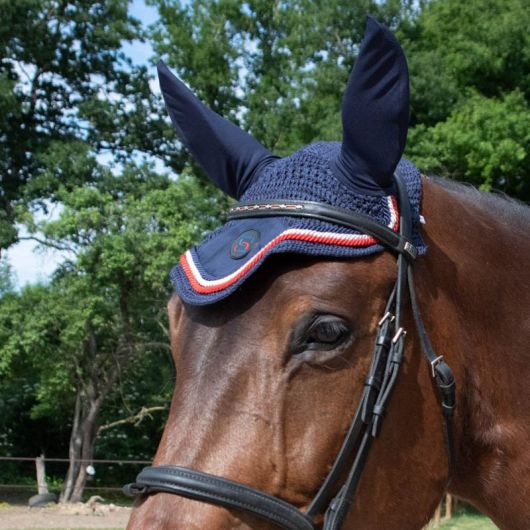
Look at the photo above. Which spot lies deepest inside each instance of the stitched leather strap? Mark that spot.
(216, 490)
(339, 507)
(442, 375)
(331, 214)
(363, 416)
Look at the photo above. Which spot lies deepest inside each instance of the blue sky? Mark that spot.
(138, 51)
(29, 262)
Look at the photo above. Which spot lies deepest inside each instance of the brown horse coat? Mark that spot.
(246, 408)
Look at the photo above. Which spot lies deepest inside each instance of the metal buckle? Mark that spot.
(411, 250)
(134, 489)
(400, 332)
(434, 364)
(386, 316)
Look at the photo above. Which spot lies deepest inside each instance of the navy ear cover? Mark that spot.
(375, 114)
(230, 157)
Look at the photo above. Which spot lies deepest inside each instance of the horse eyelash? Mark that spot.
(334, 326)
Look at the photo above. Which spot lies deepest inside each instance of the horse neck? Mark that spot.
(474, 290)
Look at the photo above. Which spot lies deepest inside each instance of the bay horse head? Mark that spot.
(292, 322)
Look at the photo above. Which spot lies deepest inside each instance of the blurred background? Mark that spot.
(98, 198)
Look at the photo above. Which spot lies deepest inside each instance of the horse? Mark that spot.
(270, 373)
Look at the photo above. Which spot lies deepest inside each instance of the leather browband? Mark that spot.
(387, 358)
(325, 212)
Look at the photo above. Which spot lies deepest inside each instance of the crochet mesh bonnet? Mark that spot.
(356, 174)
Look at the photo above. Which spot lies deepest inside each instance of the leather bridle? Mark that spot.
(387, 358)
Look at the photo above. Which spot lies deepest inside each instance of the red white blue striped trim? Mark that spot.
(203, 286)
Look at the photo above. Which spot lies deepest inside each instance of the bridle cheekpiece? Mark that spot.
(332, 501)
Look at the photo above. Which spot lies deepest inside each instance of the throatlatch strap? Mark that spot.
(442, 375)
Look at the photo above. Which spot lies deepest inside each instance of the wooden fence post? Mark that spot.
(450, 504)
(437, 515)
(41, 475)
(448, 507)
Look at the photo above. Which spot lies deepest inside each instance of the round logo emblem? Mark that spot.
(244, 243)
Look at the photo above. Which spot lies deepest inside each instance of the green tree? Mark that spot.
(277, 68)
(24, 432)
(66, 91)
(454, 46)
(6, 277)
(470, 89)
(280, 69)
(101, 321)
(69, 95)
(485, 141)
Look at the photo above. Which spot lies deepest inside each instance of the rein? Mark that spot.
(387, 358)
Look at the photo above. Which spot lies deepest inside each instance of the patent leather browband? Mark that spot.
(333, 499)
(324, 212)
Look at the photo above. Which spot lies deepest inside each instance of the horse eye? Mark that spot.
(323, 332)
(327, 332)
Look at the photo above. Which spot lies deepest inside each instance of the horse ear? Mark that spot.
(375, 113)
(228, 155)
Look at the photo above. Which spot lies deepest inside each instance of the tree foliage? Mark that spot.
(470, 72)
(96, 333)
(454, 47)
(6, 277)
(66, 92)
(485, 141)
(279, 68)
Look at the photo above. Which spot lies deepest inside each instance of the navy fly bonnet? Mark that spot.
(356, 174)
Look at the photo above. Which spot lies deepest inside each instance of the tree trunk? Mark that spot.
(93, 389)
(89, 433)
(74, 452)
(437, 516)
(82, 440)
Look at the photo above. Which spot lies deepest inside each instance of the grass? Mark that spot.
(468, 521)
